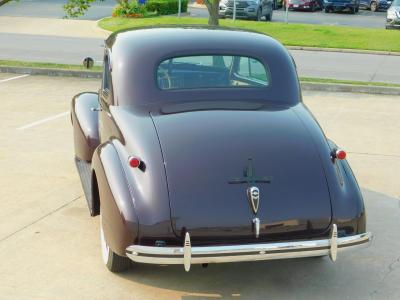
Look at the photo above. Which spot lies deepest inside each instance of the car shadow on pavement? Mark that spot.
(358, 274)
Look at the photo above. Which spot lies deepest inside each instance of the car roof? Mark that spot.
(135, 55)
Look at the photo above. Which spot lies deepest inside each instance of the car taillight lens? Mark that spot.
(134, 162)
(340, 154)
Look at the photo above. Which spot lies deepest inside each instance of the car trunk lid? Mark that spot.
(208, 156)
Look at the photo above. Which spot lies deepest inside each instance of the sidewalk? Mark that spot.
(52, 27)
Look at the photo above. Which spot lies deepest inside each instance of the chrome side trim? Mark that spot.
(188, 255)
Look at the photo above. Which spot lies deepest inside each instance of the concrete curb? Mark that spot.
(306, 86)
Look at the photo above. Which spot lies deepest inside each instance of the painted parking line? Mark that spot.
(39, 122)
(13, 78)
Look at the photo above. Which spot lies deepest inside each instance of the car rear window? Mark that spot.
(212, 71)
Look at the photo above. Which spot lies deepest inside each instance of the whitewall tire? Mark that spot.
(113, 261)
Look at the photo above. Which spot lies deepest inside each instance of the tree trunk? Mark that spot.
(213, 8)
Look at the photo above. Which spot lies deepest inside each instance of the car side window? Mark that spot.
(106, 84)
(244, 68)
(252, 69)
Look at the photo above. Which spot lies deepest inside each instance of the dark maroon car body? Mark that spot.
(193, 142)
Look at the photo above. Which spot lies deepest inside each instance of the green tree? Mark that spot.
(76, 8)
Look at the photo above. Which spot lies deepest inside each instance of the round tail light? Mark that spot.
(340, 154)
(134, 162)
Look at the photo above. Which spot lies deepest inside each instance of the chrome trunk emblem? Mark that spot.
(253, 194)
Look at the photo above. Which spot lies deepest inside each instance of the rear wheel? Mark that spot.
(352, 10)
(113, 261)
(327, 10)
(374, 6)
(357, 8)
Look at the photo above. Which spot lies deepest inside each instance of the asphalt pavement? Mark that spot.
(49, 245)
(334, 65)
(348, 66)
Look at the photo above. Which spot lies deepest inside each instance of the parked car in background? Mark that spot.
(341, 5)
(393, 16)
(310, 5)
(375, 5)
(251, 9)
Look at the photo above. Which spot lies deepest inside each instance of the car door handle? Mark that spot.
(96, 109)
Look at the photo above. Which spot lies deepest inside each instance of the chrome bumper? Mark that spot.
(188, 255)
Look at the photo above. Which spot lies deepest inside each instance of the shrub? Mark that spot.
(129, 9)
(166, 7)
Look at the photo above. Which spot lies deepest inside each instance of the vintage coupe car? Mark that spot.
(198, 149)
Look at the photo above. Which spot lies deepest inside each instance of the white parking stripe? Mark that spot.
(12, 78)
(43, 121)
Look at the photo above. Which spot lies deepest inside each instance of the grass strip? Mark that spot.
(305, 35)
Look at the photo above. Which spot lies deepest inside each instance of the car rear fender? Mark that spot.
(353, 193)
(120, 222)
(85, 119)
(347, 202)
